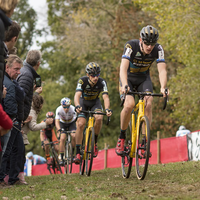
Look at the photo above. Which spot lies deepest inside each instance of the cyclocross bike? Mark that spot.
(54, 167)
(137, 143)
(87, 151)
(67, 163)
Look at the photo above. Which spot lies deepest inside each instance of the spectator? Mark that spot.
(6, 10)
(182, 131)
(13, 105)
(32, 125)
(36, 159)
(5, 125)
(26, 80)
(11, 37)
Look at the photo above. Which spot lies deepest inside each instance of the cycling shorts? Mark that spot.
(92, 105)
(68, 127)
(50, 135)
(140, 84)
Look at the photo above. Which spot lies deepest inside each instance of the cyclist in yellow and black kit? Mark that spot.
(136, 60)
(87, 98)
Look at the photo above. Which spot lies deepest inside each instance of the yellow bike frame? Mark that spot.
(135, 125)
(89, 126)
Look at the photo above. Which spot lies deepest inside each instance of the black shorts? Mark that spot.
(140, 83)
(68, 127)
(93, 105)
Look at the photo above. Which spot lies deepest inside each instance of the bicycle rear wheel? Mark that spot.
(142, 148)
(57, 165)
(89, 152)
(126, 159)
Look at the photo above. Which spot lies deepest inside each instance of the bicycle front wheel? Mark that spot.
(126, 159)
(69, 157)
(57, 165)
(83, 155)
(142, 148)
(89, 152)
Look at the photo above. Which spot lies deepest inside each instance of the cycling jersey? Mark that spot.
(64, 117)
(89, 92)
(139, 63)
(49, 132)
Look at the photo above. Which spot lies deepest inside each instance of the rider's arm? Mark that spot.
(57, 123)
(77, 98)
(162, 70)
(123, 72)
(106, 101)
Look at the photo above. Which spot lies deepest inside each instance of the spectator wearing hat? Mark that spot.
(182, 131)
(36, 159)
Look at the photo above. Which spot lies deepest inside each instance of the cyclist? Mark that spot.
(136, 60)
(87, 98)
(48, 134)
(65, 119)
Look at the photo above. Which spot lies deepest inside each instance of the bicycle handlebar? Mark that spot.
(52, 143)
(96, 113)
(143, 94)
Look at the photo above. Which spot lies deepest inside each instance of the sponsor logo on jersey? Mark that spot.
(87, 86)
(128, 52)
(138, 54)
(79, 86)
(80, 81)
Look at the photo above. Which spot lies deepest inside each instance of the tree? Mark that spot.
(179, 22)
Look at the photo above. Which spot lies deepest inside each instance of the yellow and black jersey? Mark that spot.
(89, 92)
(139, 63)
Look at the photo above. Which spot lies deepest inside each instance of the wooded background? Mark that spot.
(96, 30)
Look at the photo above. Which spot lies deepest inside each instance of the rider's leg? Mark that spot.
(125, 117)
(148, 108)
(97, 125)
(80, 124)
(62, 145)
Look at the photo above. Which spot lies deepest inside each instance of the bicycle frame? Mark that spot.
(135, 124)
(90, 124)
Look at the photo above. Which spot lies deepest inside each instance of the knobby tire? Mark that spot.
(142, 148)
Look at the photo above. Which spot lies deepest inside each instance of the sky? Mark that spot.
(40, 6)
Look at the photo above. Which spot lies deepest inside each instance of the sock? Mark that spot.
(95, 138)
(61, 155)
(122, 134)
(78, 148)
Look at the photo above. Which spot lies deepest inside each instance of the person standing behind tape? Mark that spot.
(182, 131)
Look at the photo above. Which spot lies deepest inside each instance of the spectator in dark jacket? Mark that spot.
(14, 99)
(11, 37)
(27, 77)
(27, 80)
(6, 10)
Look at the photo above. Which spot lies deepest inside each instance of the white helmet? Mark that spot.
(29, 154)
(65, 101)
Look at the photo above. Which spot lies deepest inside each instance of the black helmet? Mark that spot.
(149, 34)
(93, 68)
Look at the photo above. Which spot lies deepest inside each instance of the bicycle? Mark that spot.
(87, 150)
(137, 143)
(67, 163)
(55, 166)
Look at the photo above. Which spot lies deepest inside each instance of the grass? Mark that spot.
(170, 181)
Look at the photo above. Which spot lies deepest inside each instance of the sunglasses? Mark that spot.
(148, 43)
(66, 106)
(95, 75)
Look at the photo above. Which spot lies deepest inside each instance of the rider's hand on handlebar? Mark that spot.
(164, 91)
(78, 109)
(108, 112)
(125, 89)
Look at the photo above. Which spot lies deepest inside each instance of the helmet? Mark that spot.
(65, 101)
(93, 68)
(149, 34)
(29, 154)
(50, 115)
(182, 127)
